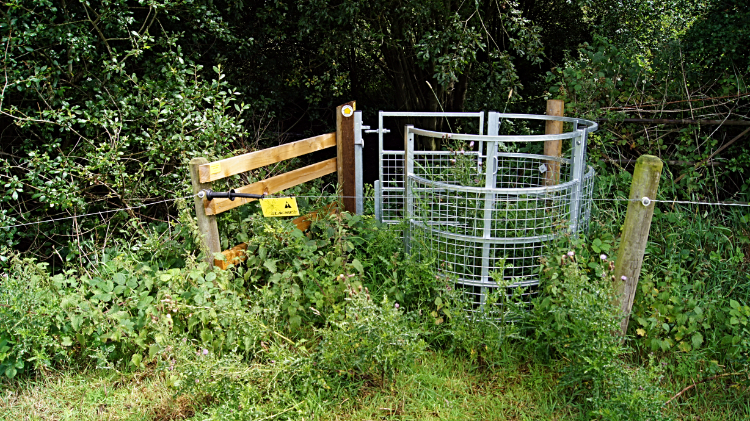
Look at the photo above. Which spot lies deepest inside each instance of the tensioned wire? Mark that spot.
(676, 202)
(97, 213)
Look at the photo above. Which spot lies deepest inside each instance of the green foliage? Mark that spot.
(684, 61)
(29, 313)
(576, 314)
(371, 341)
(306, 272)
(632, 394)
(119, 314)
(576, 317)
(413, 42)
(104, 111)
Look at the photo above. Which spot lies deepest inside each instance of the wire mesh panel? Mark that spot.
(484, 219)
(389, 203)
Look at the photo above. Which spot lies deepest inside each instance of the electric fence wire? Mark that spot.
(330, 196)
(677, 202)
(97, 213)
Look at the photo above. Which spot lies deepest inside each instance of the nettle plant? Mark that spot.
(309, 271)
(372, 340)
(576, 315)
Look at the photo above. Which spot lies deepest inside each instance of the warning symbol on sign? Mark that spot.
(282, 206)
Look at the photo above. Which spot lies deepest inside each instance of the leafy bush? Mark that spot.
(305, 271)
(576, 315)
(371, 341)
(104, 111)
(576, 318)
(29, 315)
(678, 313)
(118, 314)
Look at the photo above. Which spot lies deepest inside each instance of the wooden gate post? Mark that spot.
(635, 232)
(206, 223)
(345, 163)
(555, 107)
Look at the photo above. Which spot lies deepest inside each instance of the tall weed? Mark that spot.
(575, 320)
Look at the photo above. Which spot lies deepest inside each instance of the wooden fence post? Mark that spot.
(635, 232)
(345, 163)
(206, 223)
(555, 107)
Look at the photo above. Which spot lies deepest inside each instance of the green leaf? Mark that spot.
(10, 372)
(136, 360)
(206, 336)
(270, 265)
(358, 265)
(75, 321)
(697, 340)
(295, 322)
(66, 341)
(119, 278)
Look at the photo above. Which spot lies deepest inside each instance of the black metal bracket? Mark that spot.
(231, 194)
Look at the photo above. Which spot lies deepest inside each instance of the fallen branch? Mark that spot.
(718, 376)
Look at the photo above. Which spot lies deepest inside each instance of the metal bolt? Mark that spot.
(646, 201)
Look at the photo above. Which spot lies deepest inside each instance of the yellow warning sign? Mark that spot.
(215, 168)
(281, 206)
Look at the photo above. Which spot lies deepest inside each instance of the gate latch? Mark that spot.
(375, 130)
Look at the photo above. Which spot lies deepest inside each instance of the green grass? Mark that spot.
(442, 386)
(91, 394)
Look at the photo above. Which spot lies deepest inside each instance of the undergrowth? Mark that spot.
(341, 312)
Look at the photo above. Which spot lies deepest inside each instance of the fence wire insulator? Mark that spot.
(231, 195)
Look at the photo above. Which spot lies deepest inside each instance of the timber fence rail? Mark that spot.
(204, 173)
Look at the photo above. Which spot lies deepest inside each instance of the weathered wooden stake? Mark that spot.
(206, 223)
(555, 107)
(635, 232)
(345, 164)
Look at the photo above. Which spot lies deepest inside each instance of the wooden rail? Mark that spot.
(204, 173)
(250, 161)
(273, 185)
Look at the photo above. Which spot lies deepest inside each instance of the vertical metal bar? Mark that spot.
(577, 171)
(358, 145)
(490, 182)
(581, 172)
(481, 131)
(378, 189)
(408, 173)
(380, 144)
(378, 202)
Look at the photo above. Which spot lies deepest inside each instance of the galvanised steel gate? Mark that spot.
(482, 211)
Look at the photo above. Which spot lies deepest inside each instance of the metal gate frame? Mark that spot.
(395, 187)
(395, 193)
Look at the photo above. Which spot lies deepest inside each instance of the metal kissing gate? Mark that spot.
(481, 210)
